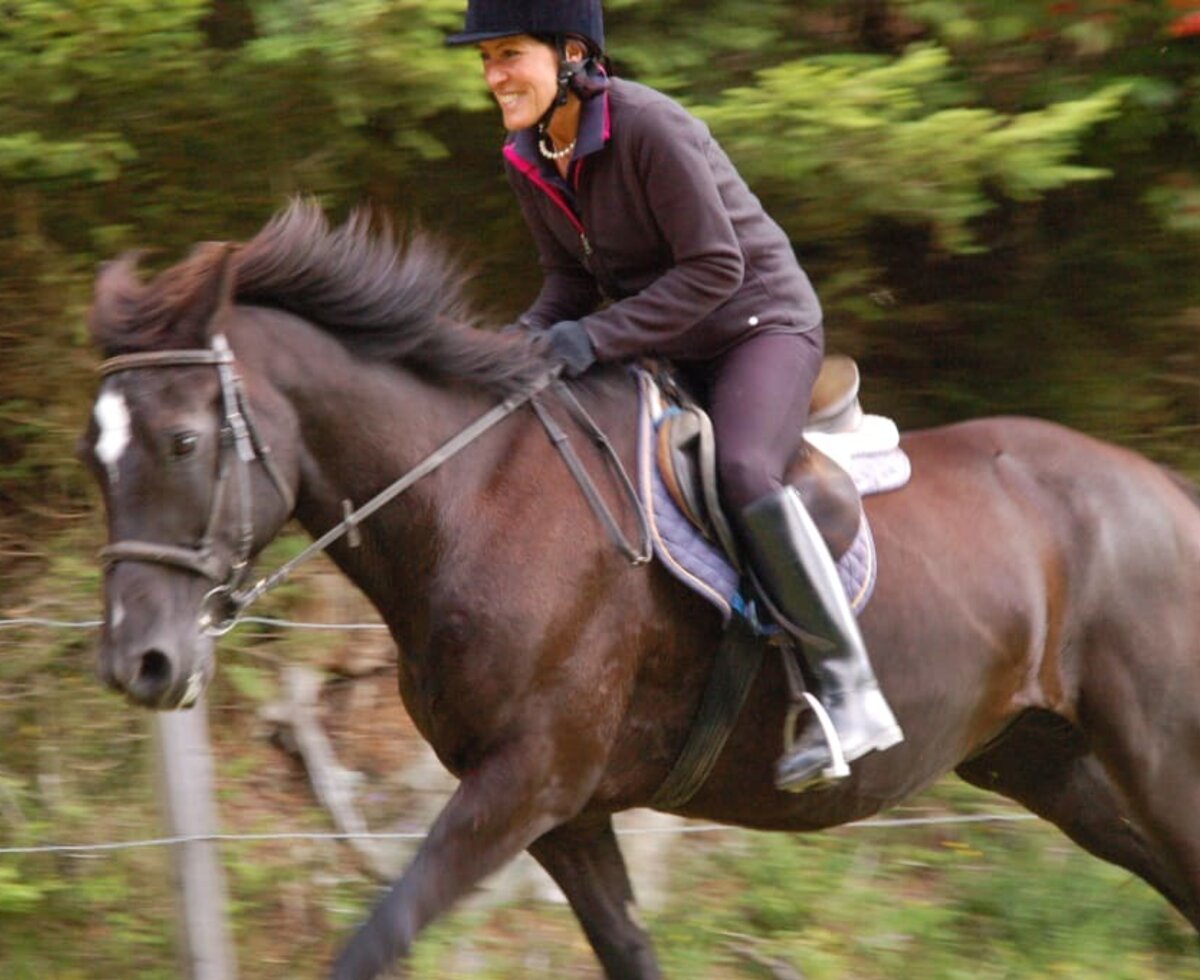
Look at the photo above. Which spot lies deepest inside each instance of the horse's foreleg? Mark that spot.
(584, 859)
(498, 810)
(1044, 764)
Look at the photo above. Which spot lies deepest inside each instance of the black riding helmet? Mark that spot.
(553, 20)
(488, 19)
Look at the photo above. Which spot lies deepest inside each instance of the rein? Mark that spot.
(562, 443)
(237, 602)
(224, 604)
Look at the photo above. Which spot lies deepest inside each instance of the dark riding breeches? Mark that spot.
(758, 395)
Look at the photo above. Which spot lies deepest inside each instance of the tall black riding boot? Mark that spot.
(796, 570)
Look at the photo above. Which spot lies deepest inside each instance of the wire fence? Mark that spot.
(259, 620)
(875, 824)
(879, 823)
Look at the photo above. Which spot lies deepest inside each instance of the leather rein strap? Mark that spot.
(562, 443)
(348, 525)
(452, 447)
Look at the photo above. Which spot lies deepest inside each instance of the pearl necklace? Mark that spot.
(549, 154)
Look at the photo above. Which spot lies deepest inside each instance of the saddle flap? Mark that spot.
(677, 450)
(687, 460)
(829, 495)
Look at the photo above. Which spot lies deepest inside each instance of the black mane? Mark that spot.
(383, 300)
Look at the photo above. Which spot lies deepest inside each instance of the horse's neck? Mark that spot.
(362, 426)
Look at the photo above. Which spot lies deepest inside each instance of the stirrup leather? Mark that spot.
(800, 700)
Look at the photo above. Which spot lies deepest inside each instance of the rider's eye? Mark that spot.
(183, 444)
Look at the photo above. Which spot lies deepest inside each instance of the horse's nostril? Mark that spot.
(154, 674)
(155, 667)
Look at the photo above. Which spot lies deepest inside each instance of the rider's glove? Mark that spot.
(568, 344)
(519, 326)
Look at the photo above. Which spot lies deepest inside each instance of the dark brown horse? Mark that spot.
(1036, 621)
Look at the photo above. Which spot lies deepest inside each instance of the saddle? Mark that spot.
(685, 453)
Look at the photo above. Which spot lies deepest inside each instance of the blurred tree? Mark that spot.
(870, 137)
(178, 118)
(893, 138)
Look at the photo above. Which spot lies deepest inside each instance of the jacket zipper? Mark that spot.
(583, 238)
(530, 172)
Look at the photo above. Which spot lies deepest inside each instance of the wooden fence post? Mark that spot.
(184, 764)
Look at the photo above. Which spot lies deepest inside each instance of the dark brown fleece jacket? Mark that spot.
(655, 218)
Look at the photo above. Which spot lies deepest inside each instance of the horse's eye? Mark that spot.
(183, 444)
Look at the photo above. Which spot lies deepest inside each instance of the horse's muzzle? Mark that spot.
(152, 678)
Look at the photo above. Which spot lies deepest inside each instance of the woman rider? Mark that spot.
(629, 199)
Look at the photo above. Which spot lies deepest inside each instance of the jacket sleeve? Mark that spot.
(569, 291)
(672, 152)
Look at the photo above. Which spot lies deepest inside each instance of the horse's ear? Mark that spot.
(212, 292)
(116, 282)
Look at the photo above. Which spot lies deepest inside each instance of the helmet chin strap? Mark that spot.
(566, 71)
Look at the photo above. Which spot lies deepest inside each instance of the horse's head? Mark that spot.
(178, 442)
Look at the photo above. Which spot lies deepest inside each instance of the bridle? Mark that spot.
(239, 445)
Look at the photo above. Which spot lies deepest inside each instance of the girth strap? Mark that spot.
(737, 663)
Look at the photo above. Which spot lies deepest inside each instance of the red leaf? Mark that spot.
(1188, 26)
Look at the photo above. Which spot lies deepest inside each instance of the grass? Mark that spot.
(989, 901)
(992, 902)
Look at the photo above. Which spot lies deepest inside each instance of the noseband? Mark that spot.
(239, 445)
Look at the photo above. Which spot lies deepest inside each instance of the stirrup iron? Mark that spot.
(838, 767)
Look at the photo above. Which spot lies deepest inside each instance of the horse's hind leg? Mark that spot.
(1045, 764)
(583, 858)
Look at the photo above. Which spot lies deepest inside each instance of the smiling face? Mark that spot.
(522, 73)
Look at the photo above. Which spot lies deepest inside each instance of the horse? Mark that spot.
(1034, 622)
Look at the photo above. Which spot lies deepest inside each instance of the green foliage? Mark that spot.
(998, 203)
(1176, 202)
(133, 93)
(97, 158)
(989, 901)
(679, 48)
(252, 682)
(869, 137)
(17, 896)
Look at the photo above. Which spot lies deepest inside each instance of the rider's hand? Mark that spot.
(568, 344)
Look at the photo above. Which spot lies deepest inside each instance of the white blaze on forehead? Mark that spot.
(112, 419)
